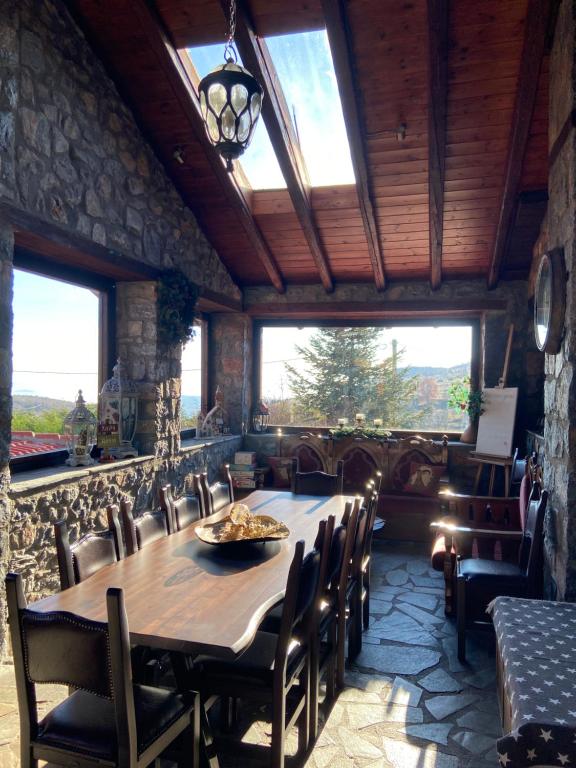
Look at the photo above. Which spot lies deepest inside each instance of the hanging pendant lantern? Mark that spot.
(230, 102)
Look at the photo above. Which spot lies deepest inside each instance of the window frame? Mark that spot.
(203, 321)
(28, 261)
(473, 321)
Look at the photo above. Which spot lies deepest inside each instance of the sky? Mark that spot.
(55, 344)
(444, 346)
(304, 65)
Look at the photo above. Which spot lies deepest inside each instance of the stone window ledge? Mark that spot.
(197, 443)
(48, 477)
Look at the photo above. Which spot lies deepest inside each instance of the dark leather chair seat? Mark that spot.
(475, 568)
(85, 722)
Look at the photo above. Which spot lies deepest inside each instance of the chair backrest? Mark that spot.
(142, 530)
(167, 506)
(186, 511)
(205, 491)
(338, 588)
(220, 496)
(301, 591)
(79, 561)
(530, 554)
(359, 543)
(317, 483)
(336, 555)
(67, 649)
(371, 512)
(199, 493)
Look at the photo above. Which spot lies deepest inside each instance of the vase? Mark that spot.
(470, 433)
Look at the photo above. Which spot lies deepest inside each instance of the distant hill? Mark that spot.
(455, 372)
(35, 404)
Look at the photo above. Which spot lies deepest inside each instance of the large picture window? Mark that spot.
(313, 376)
(56, 350)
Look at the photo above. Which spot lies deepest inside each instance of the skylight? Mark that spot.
(259, 162)
(306, 72)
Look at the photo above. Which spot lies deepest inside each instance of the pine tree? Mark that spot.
(342, 377)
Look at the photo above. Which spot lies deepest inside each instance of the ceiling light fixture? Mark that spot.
(230, 101)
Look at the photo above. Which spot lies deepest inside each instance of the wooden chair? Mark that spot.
(317, 483)
(79, 561)
(144, 529)
(198, 491)
(502, 515)
(479, 581)
(274, 670)
(167, 507)
(221, 493)
(371, 511)
(184, 511)
(107, 720)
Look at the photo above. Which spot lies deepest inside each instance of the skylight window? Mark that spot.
(259, 162)
(306, 72)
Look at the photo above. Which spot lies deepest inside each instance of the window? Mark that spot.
(55, 353)
(307, 77)
(314, 376)
(192, 370)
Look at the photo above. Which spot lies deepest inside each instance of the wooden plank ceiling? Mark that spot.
(430, 206)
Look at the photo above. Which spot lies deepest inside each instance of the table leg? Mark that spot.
(506, 481)
(209, 758)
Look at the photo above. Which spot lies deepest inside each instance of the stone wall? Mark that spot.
(80, 497)
(231, 355)
(71, 151)
(526, 364)
(560, 385)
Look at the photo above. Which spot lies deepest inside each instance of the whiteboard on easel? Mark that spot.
(496, 424)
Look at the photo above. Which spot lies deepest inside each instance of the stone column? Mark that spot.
(155, 366)
(6, 253)
(9, 51)
(560, 369)
(231, 365)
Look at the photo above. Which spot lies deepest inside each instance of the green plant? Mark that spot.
(461, 398)
(368, 433)
(177, 297)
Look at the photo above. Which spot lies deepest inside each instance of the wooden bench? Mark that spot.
(536, 679)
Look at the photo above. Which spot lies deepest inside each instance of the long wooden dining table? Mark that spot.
(184, 595)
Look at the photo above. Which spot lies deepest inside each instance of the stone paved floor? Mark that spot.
(408, 702)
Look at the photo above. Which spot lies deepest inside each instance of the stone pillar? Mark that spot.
(231, 365)
(9, 51)
(155, 366)
(6, 253)
(560, 369)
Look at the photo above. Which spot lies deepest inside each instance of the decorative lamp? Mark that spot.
(260, 418)
(230, 101)
(80, 431)
(118, 414)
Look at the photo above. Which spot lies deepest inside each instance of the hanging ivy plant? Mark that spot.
(177, 297)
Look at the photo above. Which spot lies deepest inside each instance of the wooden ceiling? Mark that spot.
(462, 195)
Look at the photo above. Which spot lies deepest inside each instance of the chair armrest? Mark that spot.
(479, 533)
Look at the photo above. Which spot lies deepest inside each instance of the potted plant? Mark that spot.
(462, 398)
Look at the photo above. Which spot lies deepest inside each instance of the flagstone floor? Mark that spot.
(408, 702)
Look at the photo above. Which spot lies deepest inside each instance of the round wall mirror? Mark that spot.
(549, 302)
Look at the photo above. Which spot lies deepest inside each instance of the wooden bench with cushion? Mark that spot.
(536, 668)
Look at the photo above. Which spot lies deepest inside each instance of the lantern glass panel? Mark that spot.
(213, 127)
(228, 123)
(239, 98)
(255, 105)
(244, 126)
(203, 106)
(217, 97)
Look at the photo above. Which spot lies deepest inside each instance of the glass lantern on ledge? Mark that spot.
(118, 415)
(79, 429)
(260, 418)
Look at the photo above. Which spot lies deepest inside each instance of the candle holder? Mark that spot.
(360, 417)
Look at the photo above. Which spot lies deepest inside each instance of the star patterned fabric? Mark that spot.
(537, 651)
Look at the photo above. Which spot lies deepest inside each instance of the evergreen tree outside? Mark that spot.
(342, 376)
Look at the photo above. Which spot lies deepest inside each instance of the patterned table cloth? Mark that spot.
(536, 640)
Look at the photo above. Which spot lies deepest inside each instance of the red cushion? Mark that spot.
(439, 554)
(424, 479)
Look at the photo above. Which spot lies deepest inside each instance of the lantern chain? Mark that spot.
(229, 50)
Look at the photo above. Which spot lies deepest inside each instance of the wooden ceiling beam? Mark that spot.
(184, 91)
(437, 99)
(340, 37)
(256, 58)
(534, 47)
